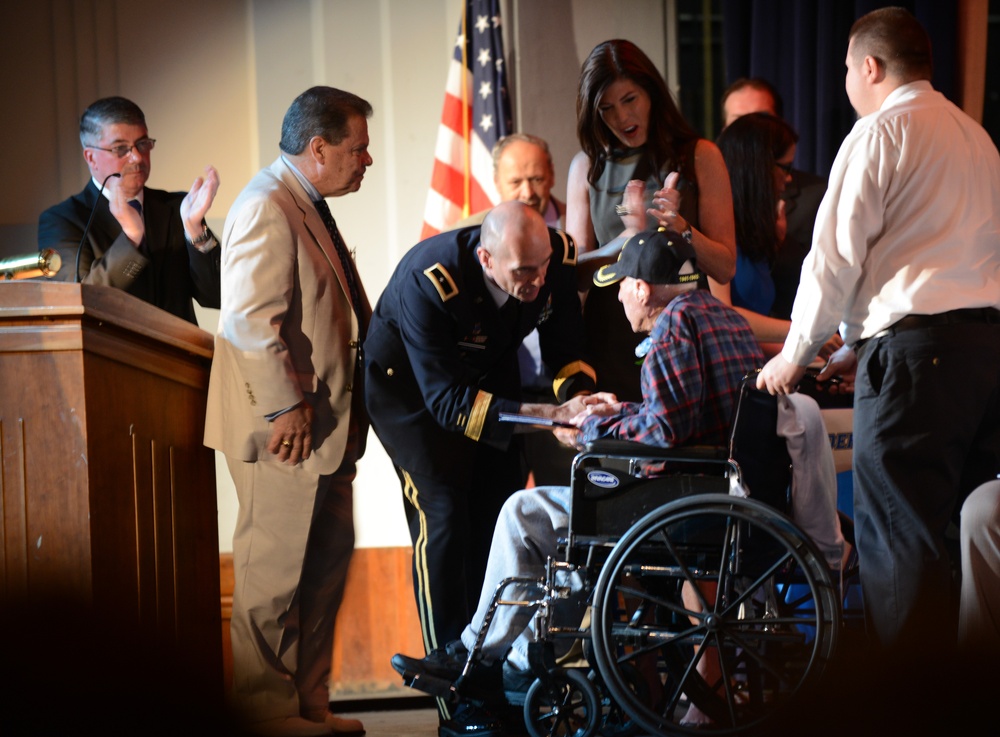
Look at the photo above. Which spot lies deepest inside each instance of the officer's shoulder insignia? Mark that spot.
(568, 247)
(442, 281)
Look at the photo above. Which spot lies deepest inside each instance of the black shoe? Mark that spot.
(516, 683)
(472, 721)
(444, 662)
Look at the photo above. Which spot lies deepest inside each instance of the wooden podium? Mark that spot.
(107, 495)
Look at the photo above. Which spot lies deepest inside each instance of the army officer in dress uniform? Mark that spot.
(441, 365)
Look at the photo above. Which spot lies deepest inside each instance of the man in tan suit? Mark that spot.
(286, 408)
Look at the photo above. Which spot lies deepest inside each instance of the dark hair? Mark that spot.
(108, 111)
(606, 64)
(750, 146)
(320, 111)
(754, 83)
(896, 40)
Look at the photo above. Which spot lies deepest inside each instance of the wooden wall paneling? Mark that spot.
(377, 619)
(226, 584)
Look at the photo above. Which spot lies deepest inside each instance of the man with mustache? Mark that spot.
(150, 243)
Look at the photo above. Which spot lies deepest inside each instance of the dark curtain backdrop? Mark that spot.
(800, 45)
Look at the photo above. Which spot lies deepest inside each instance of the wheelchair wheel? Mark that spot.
(565, 704)
(615, 721)
(717, 602)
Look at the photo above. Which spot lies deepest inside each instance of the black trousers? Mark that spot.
(451, 524)
(926, 433)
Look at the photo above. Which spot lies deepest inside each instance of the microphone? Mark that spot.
(44, 263)
(79, 248)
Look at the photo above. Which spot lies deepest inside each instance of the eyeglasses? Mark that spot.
(787, 168)
(143, 146)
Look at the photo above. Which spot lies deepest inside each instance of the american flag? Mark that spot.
(476, 114)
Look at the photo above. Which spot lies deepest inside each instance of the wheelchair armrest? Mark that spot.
(614, 483)
(641, 450)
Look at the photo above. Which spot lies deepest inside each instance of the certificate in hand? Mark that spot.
(541, 422)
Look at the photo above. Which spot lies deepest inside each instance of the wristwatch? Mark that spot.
(201, 240)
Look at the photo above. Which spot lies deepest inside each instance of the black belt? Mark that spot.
(953, 317)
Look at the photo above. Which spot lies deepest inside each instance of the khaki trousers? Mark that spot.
(293, 541)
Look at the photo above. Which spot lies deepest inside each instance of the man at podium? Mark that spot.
(117, 232)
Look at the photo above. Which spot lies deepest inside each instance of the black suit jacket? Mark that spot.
(168, 272)
(802, 197)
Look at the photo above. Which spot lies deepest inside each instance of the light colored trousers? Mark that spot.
(530, 523)
(814, 476)
(293, 541)
(979, 607)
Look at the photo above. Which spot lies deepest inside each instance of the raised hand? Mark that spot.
(667, 204)
(198, 201)
(126, 215)
(631, 211)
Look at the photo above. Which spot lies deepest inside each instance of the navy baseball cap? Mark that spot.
(655, 256)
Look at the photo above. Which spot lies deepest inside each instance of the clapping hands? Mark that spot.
(126, 215)
(198, 201)
(667, 204)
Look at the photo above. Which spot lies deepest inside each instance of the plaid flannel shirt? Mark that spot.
(700, 351)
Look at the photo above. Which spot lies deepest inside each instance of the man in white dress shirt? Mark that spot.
(906, 258)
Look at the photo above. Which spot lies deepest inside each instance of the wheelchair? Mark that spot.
(701, 591)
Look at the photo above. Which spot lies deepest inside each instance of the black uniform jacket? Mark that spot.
(441, 357)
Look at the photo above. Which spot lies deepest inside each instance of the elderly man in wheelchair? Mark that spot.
(703, 610)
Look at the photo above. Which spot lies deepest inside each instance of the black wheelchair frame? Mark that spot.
(710, 599)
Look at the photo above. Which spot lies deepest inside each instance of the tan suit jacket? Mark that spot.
(287, 332)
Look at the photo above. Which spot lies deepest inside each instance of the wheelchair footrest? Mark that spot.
(438, 687)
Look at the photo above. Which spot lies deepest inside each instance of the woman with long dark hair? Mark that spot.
(631, 130)
(758, 149)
